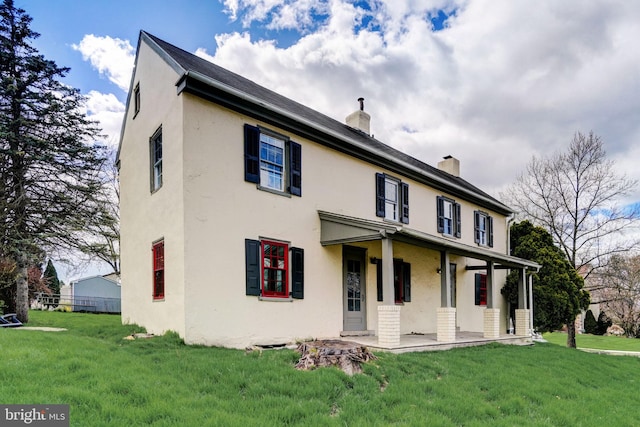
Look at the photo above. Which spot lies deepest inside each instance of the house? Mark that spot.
(250, 219)
(100, 294)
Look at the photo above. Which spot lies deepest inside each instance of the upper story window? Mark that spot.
(272, 161)
(155, 149)
(448, 217)
(483, 227)
(392, 198)
(158, 270)
(274, 269)
(136, 100)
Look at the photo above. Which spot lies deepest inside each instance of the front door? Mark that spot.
(354, 289)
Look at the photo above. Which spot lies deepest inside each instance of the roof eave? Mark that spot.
(193, 81)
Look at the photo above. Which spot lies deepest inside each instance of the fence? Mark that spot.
(78, 303)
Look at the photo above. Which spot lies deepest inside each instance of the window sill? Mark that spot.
(158, 299)
(271, 190)
(275, 299)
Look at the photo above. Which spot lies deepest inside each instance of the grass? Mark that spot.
(110, 381)
(599, 342)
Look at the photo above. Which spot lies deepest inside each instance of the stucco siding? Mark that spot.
(221, 210)
(147, 217)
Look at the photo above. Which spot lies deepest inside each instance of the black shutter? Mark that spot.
(406, 276)
(252, 265)
(457, 224)
(404, 198)
(295, 169)
(476, 226)
(297, 273)
(380, 194)
(251, 154)
(490, 231)
(379, 278)
(440, 211)
(478, 284)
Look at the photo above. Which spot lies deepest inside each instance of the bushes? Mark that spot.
(590, 323)
(603, 324)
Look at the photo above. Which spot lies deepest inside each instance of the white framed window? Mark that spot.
(392, 198)
(483, 226)
(155, 148)
(271, 162)
(448, 217)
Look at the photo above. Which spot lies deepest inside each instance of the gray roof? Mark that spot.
(210, 81)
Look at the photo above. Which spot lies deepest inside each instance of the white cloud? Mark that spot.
(108, 111)
(503, 81)
(278, 14)
(111, 57)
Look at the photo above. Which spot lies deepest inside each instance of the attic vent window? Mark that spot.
(136, 100)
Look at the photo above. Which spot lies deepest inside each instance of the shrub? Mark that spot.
(603, 323)
(590, 323)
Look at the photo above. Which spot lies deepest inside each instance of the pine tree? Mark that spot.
(51, 166)
(590, 323)
(603, 323)
(558, 292)
(50, 277)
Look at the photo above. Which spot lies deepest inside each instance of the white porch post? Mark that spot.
(491, 314)
(446, 328)
(388, 312)
(531, 303)
(522, 314)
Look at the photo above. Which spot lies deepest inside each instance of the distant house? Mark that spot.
(99, 294)
(248, 218)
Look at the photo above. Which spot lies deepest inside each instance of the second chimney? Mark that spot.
(359, 119)
(451, 165)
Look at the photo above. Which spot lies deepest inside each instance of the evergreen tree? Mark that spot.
(558, 294)
(590, 323)
(51, 166)
(603, 323)
(50, 277)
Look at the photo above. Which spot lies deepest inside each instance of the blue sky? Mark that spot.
(491, 82)
(63, 23)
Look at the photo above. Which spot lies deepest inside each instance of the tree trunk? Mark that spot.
(345, 355)
(22, 291)
(571, 334)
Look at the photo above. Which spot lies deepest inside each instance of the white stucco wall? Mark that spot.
(147, 217)
(205, 210)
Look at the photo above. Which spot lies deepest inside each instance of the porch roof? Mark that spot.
(339, 229)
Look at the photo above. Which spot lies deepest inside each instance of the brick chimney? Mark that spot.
(359, 119)
(451, 165)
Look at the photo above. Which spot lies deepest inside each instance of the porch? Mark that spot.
(436, 258)
(429, 342)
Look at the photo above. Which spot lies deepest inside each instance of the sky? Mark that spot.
(490, 82)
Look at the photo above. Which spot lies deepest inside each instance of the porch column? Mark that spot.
(531, 303)
(446, 328)
(522, 314)
(388, 312)
(491, 315)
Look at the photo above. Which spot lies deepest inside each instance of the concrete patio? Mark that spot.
(428, 342)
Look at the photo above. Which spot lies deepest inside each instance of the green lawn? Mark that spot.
(110, 381)
(599, 342)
